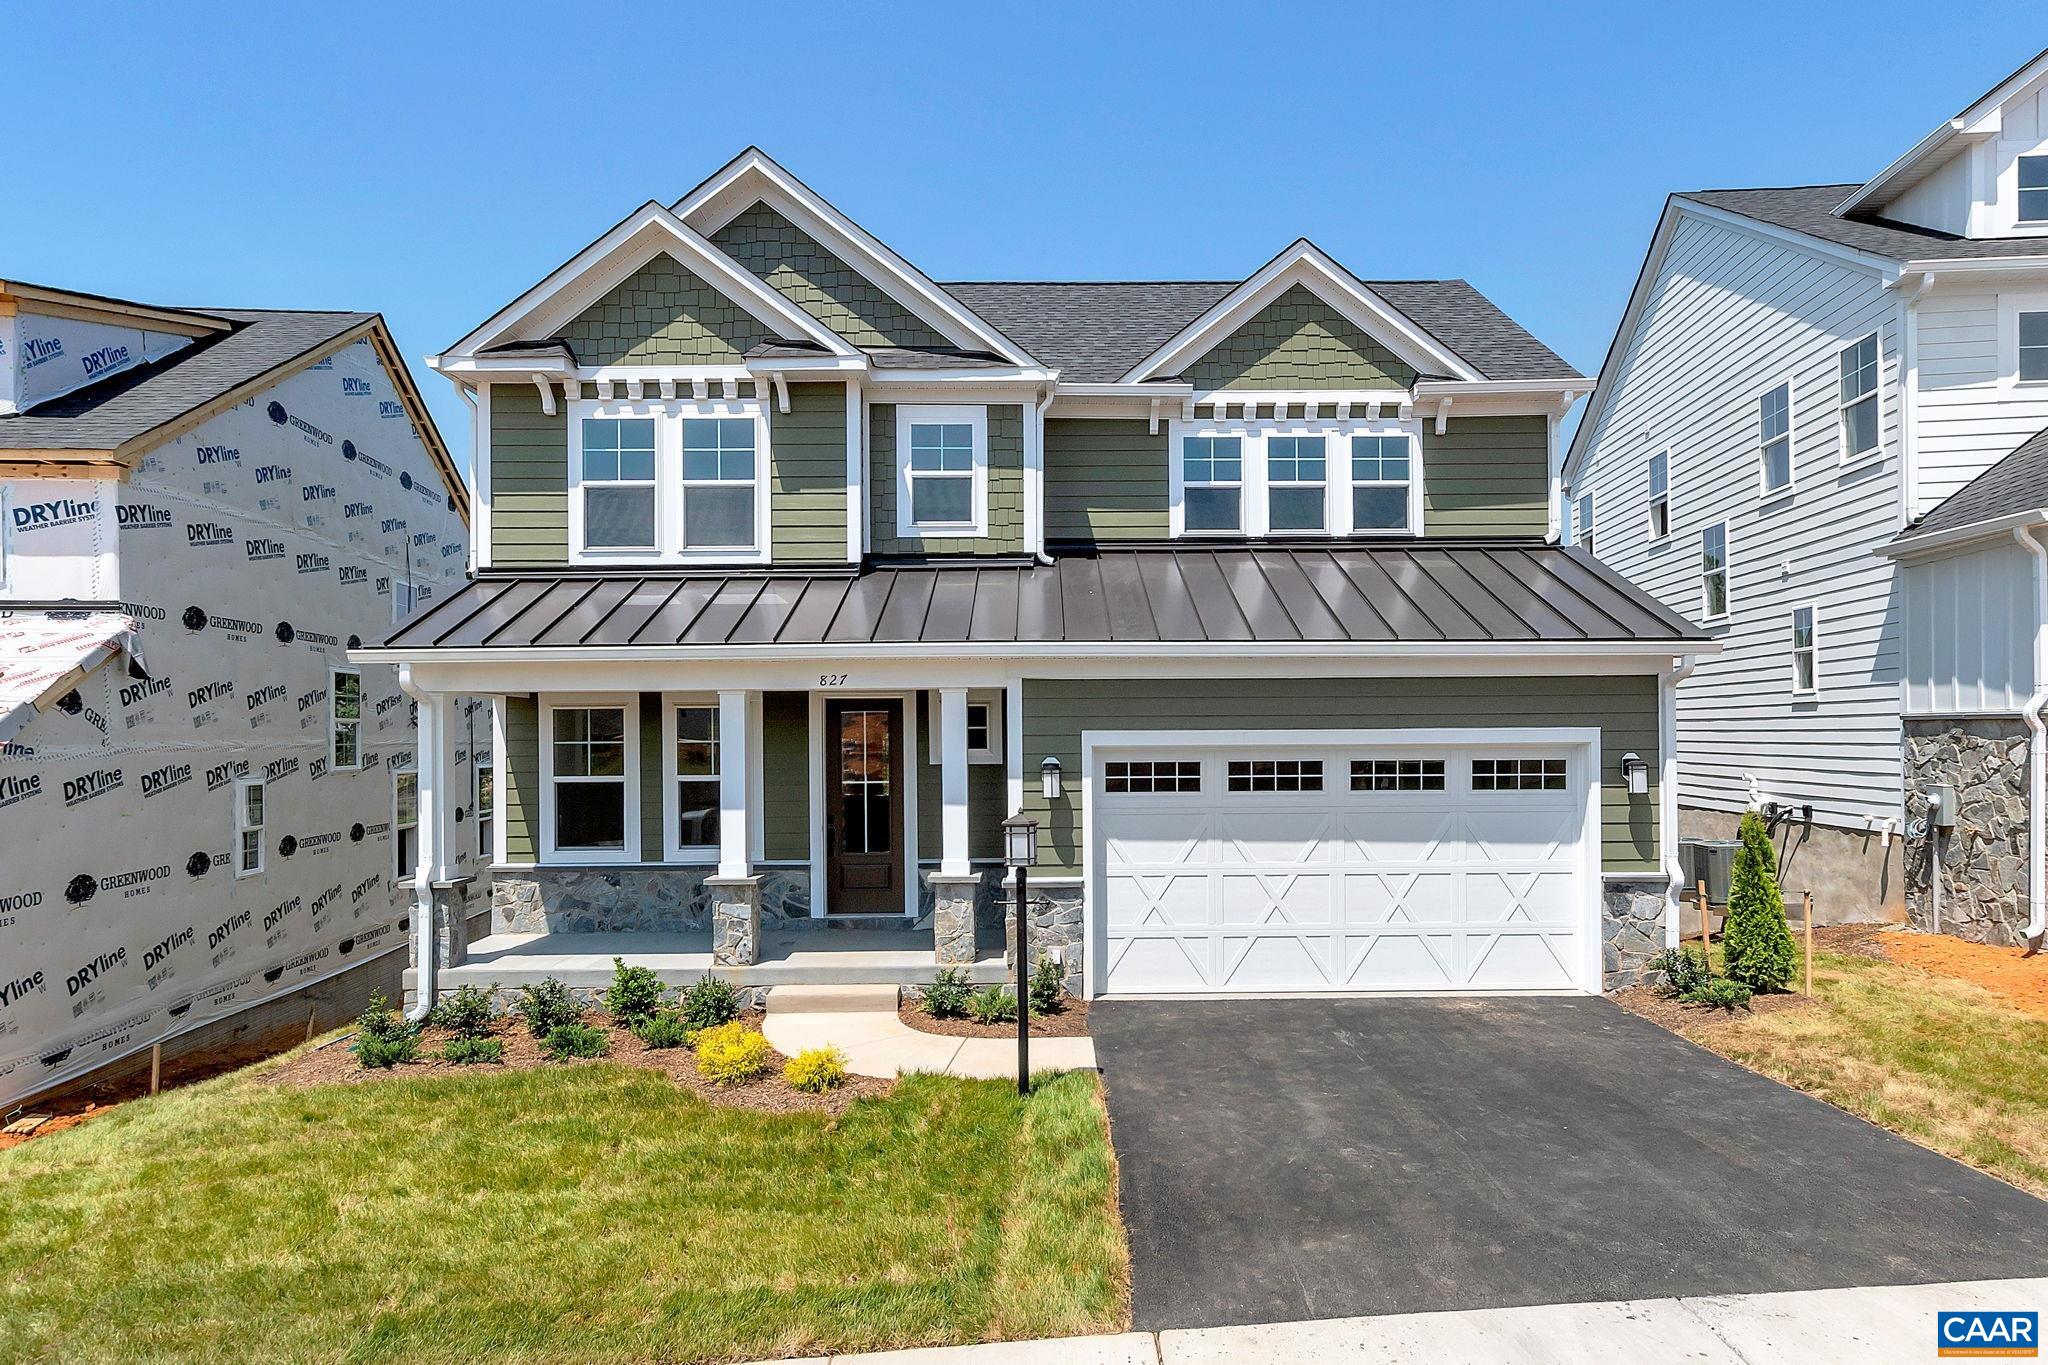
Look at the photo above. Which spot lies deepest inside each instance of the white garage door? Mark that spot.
(1334, 868)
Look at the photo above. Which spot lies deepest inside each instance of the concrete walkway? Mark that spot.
(861, 1022)
(1861, 1325)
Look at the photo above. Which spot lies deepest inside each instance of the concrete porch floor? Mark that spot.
(833, 955)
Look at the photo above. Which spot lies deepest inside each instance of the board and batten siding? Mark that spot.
(1005, 488)
(1105, 479)
(1731, 314)
(1970, 411)
(1057, 711)
(1486, 476)
(1969, 631)
(807, 476)
(529, 479)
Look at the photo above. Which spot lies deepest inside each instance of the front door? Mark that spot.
(864, 809)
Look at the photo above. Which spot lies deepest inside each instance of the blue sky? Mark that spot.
(430, 162)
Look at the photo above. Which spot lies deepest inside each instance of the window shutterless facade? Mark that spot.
(248, 827)
(2033, 346)
(345, 718)
(1774, 451)
(941, 471)
(1297, 480)
(1660, 495)
(668, 481)
(694, 758)
(1296, 476)
(1805, 652)
(590, 781)
(1858, 369)
(1714, 572)
(718, 484)
(405, 823)
(617, 486)
(2032, 174)
(1382, 468)
(1212, 483)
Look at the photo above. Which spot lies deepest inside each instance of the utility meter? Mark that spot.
(1941, 806)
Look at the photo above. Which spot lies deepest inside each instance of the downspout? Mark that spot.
(1667, 793)
(426, 953)
(2037, 749)
(1037, 510)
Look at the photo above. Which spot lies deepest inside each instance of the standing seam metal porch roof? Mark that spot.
(1418, 593)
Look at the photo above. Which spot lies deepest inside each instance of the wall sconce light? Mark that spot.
(1636, 773)
(1049, 778)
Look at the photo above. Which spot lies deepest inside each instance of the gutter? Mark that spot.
(2037, 748)
(1907, 547)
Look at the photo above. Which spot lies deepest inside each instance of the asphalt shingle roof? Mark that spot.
(135, 402)
(2017, 483)
(1810, 209)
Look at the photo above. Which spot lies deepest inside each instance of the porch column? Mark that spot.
(735, 894)
(439, 892)
(953, 782)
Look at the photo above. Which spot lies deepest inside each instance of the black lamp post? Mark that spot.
(1020, 851)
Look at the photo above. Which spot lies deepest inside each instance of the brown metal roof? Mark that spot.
(1417, 593)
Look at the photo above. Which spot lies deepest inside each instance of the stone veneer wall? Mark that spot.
(595, 900)
(1984, 858)
(1631, 930)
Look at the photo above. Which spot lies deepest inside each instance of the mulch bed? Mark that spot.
(1070, 1022)
(333, 1063)
(1682, 1017)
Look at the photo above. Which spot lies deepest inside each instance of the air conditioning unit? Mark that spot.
(1711, 861)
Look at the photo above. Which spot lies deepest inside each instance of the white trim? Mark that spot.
(334, 722)
(952, 750)
(1793, 651)
(856, 471)
(1304, 263)
(673, 850)
(1875, 398)
(2010, 307)
(1585, 739)
(1651, 496)
(242, 784)
(1934, 542)
(1253, 435)
(1764, 492)
(974, 416)
(735, 764)
(1013, 746)
(1727, 579)
(629, 703)
(480, 461)
(670, 488)
(814, 759)
(400, 873)
(498, 747)
(991, 701)
(1971, 125)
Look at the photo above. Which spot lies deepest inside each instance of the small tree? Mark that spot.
(1756, 938)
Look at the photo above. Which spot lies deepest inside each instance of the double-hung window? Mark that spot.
(1714, 572)
(1805, 653)
(1859, 398)
(1212, 483)
(617, 483)
(345, 718)
(1296, 477)
(1660, 495)
(1774, 457)
(693, 740)
(943, 471)
(1381, 478)
(718, 483)
(2033, 189)
(405, 822)
(590, 775)
(248, 826)
(2033, 346)
(1582, 522)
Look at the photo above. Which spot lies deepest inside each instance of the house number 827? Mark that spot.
(831, 680)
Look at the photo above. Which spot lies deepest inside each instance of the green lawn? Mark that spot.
(588, 1212)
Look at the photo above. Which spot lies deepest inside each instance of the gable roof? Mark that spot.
(114, 422)
(1931, 151)
(2016, 484)
(1811, 209)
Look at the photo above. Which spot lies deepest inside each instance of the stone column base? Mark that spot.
(953, 901)
(451, 921)
(735, 920)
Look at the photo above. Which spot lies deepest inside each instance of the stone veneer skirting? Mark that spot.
(598, 900)
(1984, 858)
(1631, 929)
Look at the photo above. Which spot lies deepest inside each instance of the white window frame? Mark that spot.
(1585, 520)
(1764, 491)
(399, 871)
(1322, 485)
(1874, 398)
(1180, 484)
(550, 852)
(242, 825)
(977, 700)
(669, 487)
(673, 849)
(1412, 485)
(684, 483)
(2033, 304)
(974, 416)
(335, 672)
(1253, 435)
(1811, 649)
(485, 810)
(1657, 499)
(2020, 220)
(1727, 593)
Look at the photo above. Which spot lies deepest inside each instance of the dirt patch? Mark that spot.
(2018, 980)
(1855, 940)
(333, 1063)
(1682, 1017)
(1070, 1022)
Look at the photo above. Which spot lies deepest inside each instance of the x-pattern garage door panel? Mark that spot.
(1222, 891)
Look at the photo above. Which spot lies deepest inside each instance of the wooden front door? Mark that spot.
(864, 807)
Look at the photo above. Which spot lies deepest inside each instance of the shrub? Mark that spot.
(384, 1037)
(728, 1054)
(1756, 941)
(1685, 969)
(1048, 990)
(547, 1006)
(947, 996)
(634, 995)
(466, 1014)
(566, 1042)
(992, 1005)
(708, 1002)
(816, 1070)
(378, 1053)
(663, 1029)
(470, 1050)
(1720, 992)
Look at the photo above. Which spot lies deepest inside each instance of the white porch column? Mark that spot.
(953, 782)
(733, 764)
(438, 892)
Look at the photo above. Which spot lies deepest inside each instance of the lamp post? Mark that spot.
(1020, 851)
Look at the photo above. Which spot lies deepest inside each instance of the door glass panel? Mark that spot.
(864, 762)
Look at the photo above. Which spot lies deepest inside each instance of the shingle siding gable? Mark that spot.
(794, 264)
(1299, 342)
(663, 314)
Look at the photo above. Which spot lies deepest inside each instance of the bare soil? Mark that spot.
(333, 1062)
(2008, 973)
(1070, 1022)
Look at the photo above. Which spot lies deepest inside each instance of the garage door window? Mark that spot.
(1518, 775)
(1397, 775)
(1148, 776)
(1276, 774)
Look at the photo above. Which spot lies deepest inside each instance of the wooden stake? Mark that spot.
(311, 1015)
(1706, 920)
(156, 1067)
(1809, 944)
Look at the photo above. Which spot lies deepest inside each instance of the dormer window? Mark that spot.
(1212, 475)
(667, 480)
(1295, 480)
(1312, 473)
(2033, 184)
(1379, 483)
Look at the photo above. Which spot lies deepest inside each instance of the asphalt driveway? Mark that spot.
(1288, 1159)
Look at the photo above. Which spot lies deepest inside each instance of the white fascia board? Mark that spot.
(1936, 543)
(714, 203)
(555, 365)
(1153, 388)
(1030, 378)
(1306, 264)
(1978, 265)
(633, 241)
(1556, 390)
(824, 365)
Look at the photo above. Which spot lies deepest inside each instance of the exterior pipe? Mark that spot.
(2037, 749)
(1667, 794)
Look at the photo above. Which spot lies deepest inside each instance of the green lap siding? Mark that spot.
(1105, 480)
(652, 778)
(785, 776)
(807, 475)
(663, 314)
(987, 796)
(1057, 711)
(1005, 488)
(792, 263)
(529, 478)
(1486, 476)
(519, 780)
(1299, 342)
